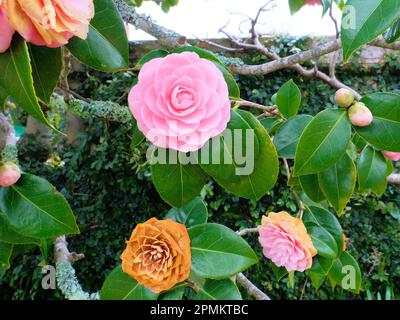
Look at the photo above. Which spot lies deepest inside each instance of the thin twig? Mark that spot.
(295, 194)
(245, 232)
(252, 289)
(266, 109)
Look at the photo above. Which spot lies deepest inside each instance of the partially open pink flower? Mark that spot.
(286, 242)
(49, 22)
(394, 156)
(360, 115)
(313, 2)
(6, 32)
(9, 174)
(180, 101)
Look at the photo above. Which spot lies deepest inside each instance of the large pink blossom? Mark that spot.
(6, 32)
(286, 242)
(180, 101)
(49, 22)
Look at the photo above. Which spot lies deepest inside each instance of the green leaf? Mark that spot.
(120, 286)
(218, 252)
(338, 183)
(234, 91)
(372, 168)
(325, 219)
(296, 5)
(323, 241)
(310, 185)
(279, 272)
(5, 255)
(159, 53)
(383, 132)
(195, 212)
(363, 21)
(218, 290)
(106, 47)
(393, 33)
(176, 183)
(46, 66)
(35, 209)
(288, 99)
(323, 142)
(16, 80)
(271, 124)
(346, 273)
(137, 135)
(319, 270)
(10, 236)
(176, 293)
(264, 162)
(288, 135)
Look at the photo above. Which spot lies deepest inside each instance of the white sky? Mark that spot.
(203, 18)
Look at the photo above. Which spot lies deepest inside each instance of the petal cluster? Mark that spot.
(6, 32)
(49, 22)
(9, 174)
(180, 101)
(286, 242)
(158, 254)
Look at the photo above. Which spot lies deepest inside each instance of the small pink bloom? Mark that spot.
(313, 2)
(9, 174)
(6, 32)
(360, 115)
(394, 156)
(180, 101)
(49, 22)
(286, 242)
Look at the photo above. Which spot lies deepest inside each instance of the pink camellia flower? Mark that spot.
(9, 174)
(180, 101)
(313, 2)
(360, 115)
(394, 156)
(49, 22)
(6, 32)
(286, 242)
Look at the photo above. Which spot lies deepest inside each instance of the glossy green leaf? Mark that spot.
(288, 135)
(218, 252)
(346, 273)
(106, 47)
(279, 272)
(176, 183)
(323, 241)
(35, 209)
(383, 132)
(338, 182)
(159, 53)
(195, 212)
(288, 99)
(234, 91)
(137, 135)
(5, 255)
(325, 219)
(310, 185)
(323, 142)
(372, 171)
(271, 124)
(393, 33)
(120, 286)
(218, 290)
(363, 21)
(296, 5)
(262, 167)
(16, 80)
(46, 67)
(175, 293)
(10, 236)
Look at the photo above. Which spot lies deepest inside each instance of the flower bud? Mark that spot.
(394, 156)
(344, 98)
(9, 174)
(360, 115)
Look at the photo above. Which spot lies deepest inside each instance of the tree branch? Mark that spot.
(251, 288)
(245, 232)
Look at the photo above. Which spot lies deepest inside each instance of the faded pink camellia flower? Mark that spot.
(9, 174)
(180, 101)
(394, 156)
(6, 32)
(49, 23)
(286, 242)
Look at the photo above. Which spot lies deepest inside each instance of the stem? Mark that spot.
(245, 232)
(295, 194)
(252, 289)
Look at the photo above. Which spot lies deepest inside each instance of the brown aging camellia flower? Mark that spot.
(158, 254)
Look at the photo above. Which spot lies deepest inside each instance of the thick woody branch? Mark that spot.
(167, 37)
(381, 43)
(245, 232)
(251, 288)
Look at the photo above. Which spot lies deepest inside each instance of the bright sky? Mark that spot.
(203, 18)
